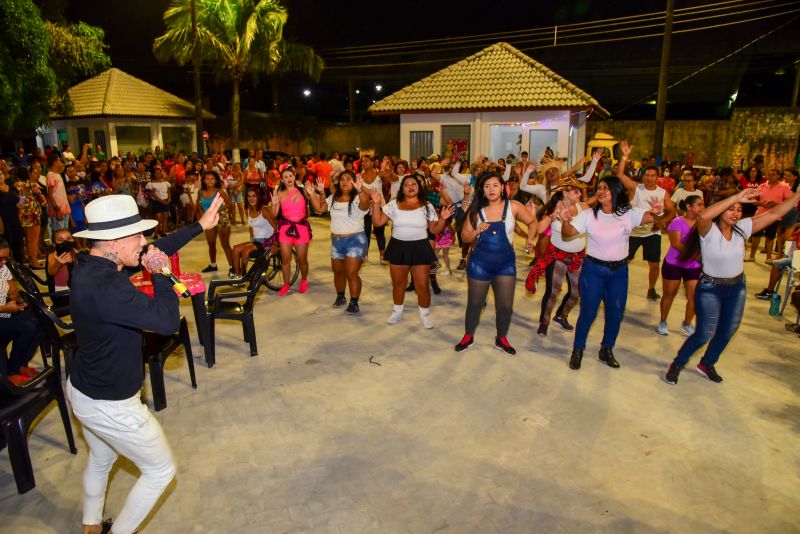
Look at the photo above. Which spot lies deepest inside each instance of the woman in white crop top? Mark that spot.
(409, 249)
(604, 276)
(262, 225)
(720, 293)
(348, 207)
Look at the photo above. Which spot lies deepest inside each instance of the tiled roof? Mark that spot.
(116, 93)
(496, 78)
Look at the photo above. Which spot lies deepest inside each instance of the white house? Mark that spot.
(493, 103)
(122, 113)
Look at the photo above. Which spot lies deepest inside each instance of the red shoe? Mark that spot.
(303, 286)
(282, 292)
(18, 380)
(30, 372)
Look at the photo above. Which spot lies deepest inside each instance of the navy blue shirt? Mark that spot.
(109, 314)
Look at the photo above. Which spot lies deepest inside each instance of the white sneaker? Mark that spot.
(662, 329)
(395, 317)
(687, 329)
(426, 321)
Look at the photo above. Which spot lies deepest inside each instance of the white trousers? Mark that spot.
(128, 428)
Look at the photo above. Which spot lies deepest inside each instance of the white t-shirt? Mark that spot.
(160, 189)
(682, 194)
(410, 225)
(5, 276)
(643, 199)
(607, 233)
(343, 223)
(722, 258)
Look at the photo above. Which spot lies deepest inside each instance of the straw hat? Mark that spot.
(549, 162)
(569, 182)
(113, 217)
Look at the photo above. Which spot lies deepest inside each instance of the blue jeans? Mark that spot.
(601, 284)
(719, 311)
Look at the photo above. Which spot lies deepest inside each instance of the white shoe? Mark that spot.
(395, 317)
(687, 329)
(426, 321)
(662, 329)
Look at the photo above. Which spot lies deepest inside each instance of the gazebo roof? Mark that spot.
(118, 94)
(497, 78)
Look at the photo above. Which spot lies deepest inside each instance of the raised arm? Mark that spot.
(507, 173)
(765, 219)
(460, 178)
(630, 185)
(316, 195)
(437, 227)
(597, 155)
(706, 217)
(379, 218)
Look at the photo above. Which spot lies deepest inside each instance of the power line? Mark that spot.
(552, 37)
(549, 30)
(596, 41)
(706, 67)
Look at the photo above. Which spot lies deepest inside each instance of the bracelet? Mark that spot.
(659, 215)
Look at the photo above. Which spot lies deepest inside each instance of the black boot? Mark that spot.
(607, 355)
(575, 359)
(435, 285)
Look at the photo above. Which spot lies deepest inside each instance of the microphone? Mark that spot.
(177, 285)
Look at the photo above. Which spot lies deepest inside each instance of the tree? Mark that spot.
(27, 83)
(240, 38)
(39, 61)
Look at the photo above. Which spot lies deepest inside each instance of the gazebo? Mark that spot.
(495, 102)
(122, 113)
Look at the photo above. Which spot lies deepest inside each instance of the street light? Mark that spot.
(358, 92)
(306, 93)
(378, 87)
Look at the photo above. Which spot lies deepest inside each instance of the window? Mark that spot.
(178, 138)
(134, 139)
(540, 141)
(421, 144)
(83, 138)
(455, 141)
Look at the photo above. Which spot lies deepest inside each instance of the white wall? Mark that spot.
(481, 123)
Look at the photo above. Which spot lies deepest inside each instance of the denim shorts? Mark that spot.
(237, 198)
(350, 246)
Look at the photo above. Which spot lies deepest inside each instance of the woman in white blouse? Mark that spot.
(347, 206)
(720, 293)
(409, 250)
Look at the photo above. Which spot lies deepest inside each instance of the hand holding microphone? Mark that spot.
(156, 261)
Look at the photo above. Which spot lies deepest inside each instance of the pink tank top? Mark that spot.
(294, 210)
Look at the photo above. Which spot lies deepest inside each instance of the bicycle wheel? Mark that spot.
(272, 276)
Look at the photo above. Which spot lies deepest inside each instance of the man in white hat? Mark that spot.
(106, 375)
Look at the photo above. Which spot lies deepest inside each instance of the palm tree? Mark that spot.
(240, 38)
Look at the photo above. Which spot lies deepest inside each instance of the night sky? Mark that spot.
(617, 74)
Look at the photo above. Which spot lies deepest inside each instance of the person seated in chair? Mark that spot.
(262, 225)
(778, 266)
(18, 326)
(59, 265)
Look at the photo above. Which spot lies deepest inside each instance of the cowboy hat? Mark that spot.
(569, 182)
(113, 217)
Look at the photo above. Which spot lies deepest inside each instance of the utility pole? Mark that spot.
(796, 87)
(198, 99)
(661, 104)
(351, 99)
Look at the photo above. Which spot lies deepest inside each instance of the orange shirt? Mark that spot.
(776, 193)
(323, 170)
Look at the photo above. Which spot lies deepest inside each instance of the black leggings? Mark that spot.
(380, 235)
(554, 280)
(477, 290)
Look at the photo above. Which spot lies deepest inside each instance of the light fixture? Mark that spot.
(306, 92)
(358, 91)
(378, 87)
(734, 95)
(651, 102)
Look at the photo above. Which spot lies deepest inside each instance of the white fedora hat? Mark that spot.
(113, 217)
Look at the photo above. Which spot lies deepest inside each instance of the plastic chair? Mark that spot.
(19, 407)
(224, 306)
(54, 343)
(28, 280)
(155, 351)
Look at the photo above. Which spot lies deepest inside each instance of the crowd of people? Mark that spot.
(582, 225)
